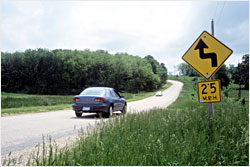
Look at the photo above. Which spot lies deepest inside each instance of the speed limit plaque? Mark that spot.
(209, 91)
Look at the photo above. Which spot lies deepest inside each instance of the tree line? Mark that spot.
(61, 71)
(237, 74)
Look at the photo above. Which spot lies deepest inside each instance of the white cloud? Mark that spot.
(242, 37)
(148, 26)
(162, 29)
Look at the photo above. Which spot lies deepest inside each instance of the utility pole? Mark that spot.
(210, 105)
(212, 27)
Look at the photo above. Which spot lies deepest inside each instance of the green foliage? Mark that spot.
(61, 72)
(185, 69)
(179, 135)
(158, 68)
(223, 75)
(240, 74)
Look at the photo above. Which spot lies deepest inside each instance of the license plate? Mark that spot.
(86, 108)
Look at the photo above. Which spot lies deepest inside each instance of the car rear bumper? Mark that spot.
(92, 108)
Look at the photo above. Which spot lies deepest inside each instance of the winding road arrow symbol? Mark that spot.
(201, 45)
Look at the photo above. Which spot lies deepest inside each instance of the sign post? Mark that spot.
(210, 105)
(206, 55)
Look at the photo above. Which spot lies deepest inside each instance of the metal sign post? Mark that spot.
(206, 55)
(210, 105)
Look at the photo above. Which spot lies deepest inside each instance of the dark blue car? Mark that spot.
(102, 100)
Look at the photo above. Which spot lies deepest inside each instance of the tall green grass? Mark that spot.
(179, 135)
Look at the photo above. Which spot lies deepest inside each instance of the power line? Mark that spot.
(217, 3)
(221, 12)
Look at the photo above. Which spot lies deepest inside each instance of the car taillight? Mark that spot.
(100, 99)
(76, 99)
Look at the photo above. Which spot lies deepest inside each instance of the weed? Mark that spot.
(179, 135)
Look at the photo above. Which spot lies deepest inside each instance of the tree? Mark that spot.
(158, 68)
(240, 74)
(153, 62)
(59, 71)
(185, 69)
(163, 73)
(231, 70)
(223, 75)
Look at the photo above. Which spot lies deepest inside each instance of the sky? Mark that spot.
(162, 29)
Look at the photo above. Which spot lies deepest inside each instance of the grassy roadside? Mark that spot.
(179, 135)
(34, 109)
(12, 103)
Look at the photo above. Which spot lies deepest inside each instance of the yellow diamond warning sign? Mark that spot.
(206, 55)
(209, 91)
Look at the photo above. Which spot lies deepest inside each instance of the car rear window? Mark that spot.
(93, 92)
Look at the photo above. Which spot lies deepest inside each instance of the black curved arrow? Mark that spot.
(201, 45)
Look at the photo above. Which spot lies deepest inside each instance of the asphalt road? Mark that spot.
(20, 132)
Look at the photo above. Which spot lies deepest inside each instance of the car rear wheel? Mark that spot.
(110, 112)
(78, 114)
(124, 110)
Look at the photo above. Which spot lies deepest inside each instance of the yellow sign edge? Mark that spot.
(221, 63)
(209, 81)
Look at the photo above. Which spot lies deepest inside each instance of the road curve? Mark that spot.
(169, 96)
(20, 132)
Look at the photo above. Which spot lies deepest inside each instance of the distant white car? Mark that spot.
(159, 93)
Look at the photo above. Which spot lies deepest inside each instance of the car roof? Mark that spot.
(101, 87)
